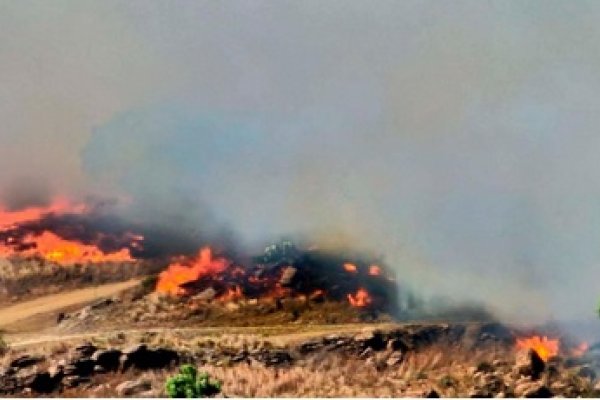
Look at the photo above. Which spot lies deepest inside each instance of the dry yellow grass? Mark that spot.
(330, 375)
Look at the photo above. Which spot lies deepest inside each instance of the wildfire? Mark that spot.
(543, 346)
(23, 233)
(360, 299)
(171, 280)
(59, 205)
(233, 293)
(53, 248)
(374, 270)
(580, 350)
(350, 267)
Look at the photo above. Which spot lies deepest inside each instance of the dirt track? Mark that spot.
(56, 302)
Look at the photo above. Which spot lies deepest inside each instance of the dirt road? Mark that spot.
(56, 302)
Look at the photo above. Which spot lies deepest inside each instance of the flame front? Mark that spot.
(21, 236)
(543, 346)
(360, 299)
(171, 280)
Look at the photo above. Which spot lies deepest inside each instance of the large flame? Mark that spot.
(20, 239)
(10, 218)
(543, 346)
(171, 280)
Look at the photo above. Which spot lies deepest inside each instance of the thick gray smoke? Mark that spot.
(457, 139)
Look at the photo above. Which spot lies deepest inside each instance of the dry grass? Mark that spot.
(448, 371)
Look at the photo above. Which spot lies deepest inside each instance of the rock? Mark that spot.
(141, 357)
(206, 295)
(25, 361)
(372, 339)
(131, 388)
(394, 359)
(102, 304)
(80, 367)
(273, 357)
(56, 370)
(529, 363)
(396, 344)
(74, 381)
(539, 391)
(86, 349)
(287, 276)
(43, 382)
(310, 346)
(109, 360)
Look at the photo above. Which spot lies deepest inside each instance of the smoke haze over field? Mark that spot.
(457, 139)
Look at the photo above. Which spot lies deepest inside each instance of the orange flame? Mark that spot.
(53, 248)
(59, 205)
(170, 281)
(350, 267)
(543, 346)
(374, 270)
(360, 299)
(580, 350)
(233, 293)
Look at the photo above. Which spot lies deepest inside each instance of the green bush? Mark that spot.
(191, 384)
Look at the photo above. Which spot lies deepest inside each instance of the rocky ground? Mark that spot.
(154, 310)
(424, 360)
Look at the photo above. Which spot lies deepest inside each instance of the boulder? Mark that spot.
(133, 388)
(25, 361)
(109, 360)
(43, 382)
(86, 349)
(371, 338)
(141, 357)
(80, 367)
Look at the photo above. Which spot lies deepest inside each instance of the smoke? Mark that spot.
(457, 140)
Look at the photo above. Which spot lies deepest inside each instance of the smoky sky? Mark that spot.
(457, 139)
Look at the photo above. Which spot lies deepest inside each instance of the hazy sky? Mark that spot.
(456, 138)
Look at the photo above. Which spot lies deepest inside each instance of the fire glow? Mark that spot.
(208, 277)
(171, 280)
(544, 347)
(27, 233)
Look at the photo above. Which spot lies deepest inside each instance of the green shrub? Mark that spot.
(191, 384)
